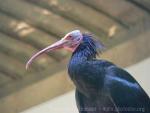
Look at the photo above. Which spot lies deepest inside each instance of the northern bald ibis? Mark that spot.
(101, 86)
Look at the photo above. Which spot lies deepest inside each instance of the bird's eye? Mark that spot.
(70, 37)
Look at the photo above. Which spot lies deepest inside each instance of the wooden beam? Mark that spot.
(130, 52)
(35, 93)
(22, 52)
(39, 17)
(11, 68)
(31, 13)
(29, 34)
(143, 4)
(125, 54)
(125, 12)
(81, 14)
(4, 79)
(31, 79)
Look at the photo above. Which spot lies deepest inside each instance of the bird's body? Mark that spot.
(101, 86)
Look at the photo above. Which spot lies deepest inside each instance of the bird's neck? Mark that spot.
(78, 58)
(82, 55)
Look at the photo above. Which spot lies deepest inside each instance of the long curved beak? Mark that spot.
(57, 45)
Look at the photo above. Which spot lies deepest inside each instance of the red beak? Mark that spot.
(57, 45)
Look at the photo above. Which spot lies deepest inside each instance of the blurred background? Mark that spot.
(27, 26)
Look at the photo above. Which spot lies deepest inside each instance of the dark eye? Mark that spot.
(70, 37)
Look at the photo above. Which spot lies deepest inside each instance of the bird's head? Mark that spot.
(70, 41)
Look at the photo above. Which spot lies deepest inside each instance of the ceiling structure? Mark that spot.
(27, 26)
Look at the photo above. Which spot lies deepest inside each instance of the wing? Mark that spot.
(127, 94)
(81, 102)
(104, 104)
(122, 91)
(89, 81)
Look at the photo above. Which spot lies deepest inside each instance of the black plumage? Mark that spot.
(101, 86)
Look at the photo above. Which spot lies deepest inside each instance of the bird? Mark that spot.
(100, 85)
